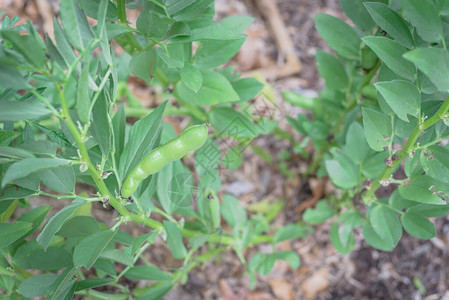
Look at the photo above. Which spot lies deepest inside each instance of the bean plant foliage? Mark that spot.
(64, 122)
(384, 107)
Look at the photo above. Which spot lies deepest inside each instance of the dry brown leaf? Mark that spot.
(282, 289)
(317, 283)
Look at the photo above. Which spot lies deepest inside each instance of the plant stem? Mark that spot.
(408, 147)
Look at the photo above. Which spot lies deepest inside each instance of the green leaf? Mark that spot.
(424, 16)
(175, 188)
(214, 53)
(174, 58)
(378, 129)
(14, 153)
(19, 111)
(119, 128)
(429, 210)
(374, 240)
(28, 166)
(263, 263)
(91, 8)
(230, 122)
(93, 283)
(191, 76)
(206, 29)
(358, 14)
(64, 48)
(337, 242)
(75, 24)
(402, 96)
(100, 128)
(418, 226)
(215, 89)
(53, 258)
(82, 92)
(156, 291)
(425, 189)
(61, 180)
(443, 7)
(35, 216)
(142, 64)
(7, 136)
(79, 226)
(339, 35)
(391, 22)
(153, 22)
(386, 224)
(434, 62)
(342, 171)
(319, 214)
(90, 248)
(55, 223)
(174, 6)
(435, 162)
(331, 70)
(10, 232)
(138, 242)
(142, 137)
(237, 23)
(289, 232)
(147, 273)
(356, 147)
(174, 240)
(233, 212)
(247, 88)
(37, 285)
(391, 53)
(11, 78)
(27, 46)
(119, 255)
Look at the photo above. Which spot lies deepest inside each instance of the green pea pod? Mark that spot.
(299, 100)
(369, 58)
(214, 208)
(191, 139)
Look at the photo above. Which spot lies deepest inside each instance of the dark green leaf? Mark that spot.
(55, 223)
(38, 285)
(418, 226)
(391, 53)
(142, 137)
(215, 89)
(339, 35)
(434, 62)
(147, 273)
(386, 224)
(331, 70)
(19, 111)
(319, 214)
(378, 129)
(402, 96)
(10, 232)
(424, 16)
(91, 247)
(174, 240)
(28, 166)
(391, 22)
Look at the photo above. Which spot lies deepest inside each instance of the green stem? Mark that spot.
(408, 147)
(121, 12)
(45, 101)
(370, 75)
(435, 141)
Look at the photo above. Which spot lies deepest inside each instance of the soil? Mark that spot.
(415, 269)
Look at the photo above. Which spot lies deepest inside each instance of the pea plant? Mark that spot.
(64, 122)
(379, 127)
